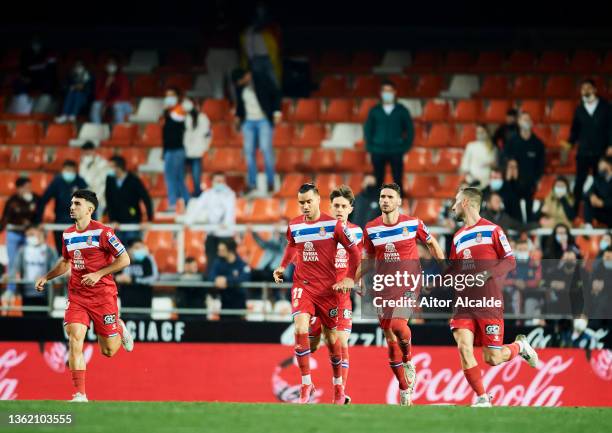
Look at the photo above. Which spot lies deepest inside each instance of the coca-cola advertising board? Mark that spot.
(209, 372)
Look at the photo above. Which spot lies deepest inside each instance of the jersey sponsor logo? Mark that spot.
(78, 262)
(115, 243)
(346, 313)
(492, 329)
(333, 312)
(467, 253)
(391, 254)
(109, 319)
(77, 254)
(341, 258)
(309, 254)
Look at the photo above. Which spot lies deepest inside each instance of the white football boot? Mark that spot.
(528, 353)
(78, 398)
(483, 401)
(127, 341)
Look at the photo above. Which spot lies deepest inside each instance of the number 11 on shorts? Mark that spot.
(297, 293)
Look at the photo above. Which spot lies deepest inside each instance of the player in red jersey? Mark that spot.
(342, 199)
(312, 243)
(485, 245)
(391, 241)
(93, 253)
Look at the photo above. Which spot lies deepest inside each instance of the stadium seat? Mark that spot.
(461, 86)
(183, 82)
(363, 62)
(404, 85)
(29, 158)
(326, 183)
(496, 111)
(562, 134)
(202, 87)
(420, 135)
(166, 260)
(61, 155)
(544, 133)
(241, 210)
(291, 184)
(40, 181)
(560, 86)
(458, 61)
(311, 136)
(363, 109)
(440, 135)
(536, 109)
(418, 160)
(194, 247)
(25, 134)
(306, 110)
(151, 136)
(176, 61)
(393, 62)
(216, 109)
(467, 111)
(527, 86)
(344, 135)
(134, 157)
(123, 135)
(338, 110)
(142, 62)
(288, 159)
(425, 61)
(423, 186)
(448, 161)
(283, 134)
(155, 239)
(149, 110)
(7, 186)
(225, 160)
(448, 187)
(428, 210)
(321, 160)
(488, 62)
(221, 133)
(352, 161)
(494, 86)
(521, 61)
(552, 62)
(333, 61)
(585, 62)
(58, 134)
(264, 210)
(467, 134)
(429, 86)
(5, 156)
(235, 138)
(157, 186)
(4, 133)
(436, 110)
(146, 85)
(91, 132)
(286, 108)
(562, 111)
(414, 106)
(366, 86)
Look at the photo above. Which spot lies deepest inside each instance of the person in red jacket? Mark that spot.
(112, 93)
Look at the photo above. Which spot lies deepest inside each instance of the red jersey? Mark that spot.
(344, 298)
(397, 242)
(89, 251)
(482, 241)
(313, 247)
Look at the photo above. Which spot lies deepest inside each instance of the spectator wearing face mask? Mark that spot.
(522, 290)
(495, 213)
(479, 158)
(558, 242)
(563, 284)
(558, 206)
(528, 151)
(112, 93)
(93, 168)
(32, 261)
(604, 243)
(196, 141)
(598, 204)
(78, 92)
(598, 289)
(366, 206)
(505, 183)
(136, 281)
(506, 131)
(174, 149)
(60, 190)
(591, 131)
(388, 134)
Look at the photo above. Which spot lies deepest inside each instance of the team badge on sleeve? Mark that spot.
(114, 241)
(349, 235)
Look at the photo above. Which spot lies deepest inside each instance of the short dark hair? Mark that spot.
(343, 191)
(88, 146)
(387, 82)
(522, 241)
(230, 243)
(394, 186)
(134, 242)
(473, 194)
(34, 227)
(308, 187)
(589, 81)
(119, 161)
(190, 259)
(217, 173)
(69, 163)
(609, 249)
(175, 90)
(88, 195)
(21, 181)
(512, 112)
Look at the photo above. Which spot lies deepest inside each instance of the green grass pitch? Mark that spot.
(171, 417)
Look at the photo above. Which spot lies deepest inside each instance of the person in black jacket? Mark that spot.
(258, 109)
(136, 281)
(366, 206)
(505, 183)
(598, 203)
(528, 151)
(505, 132)
(592, 132)
(124, 192)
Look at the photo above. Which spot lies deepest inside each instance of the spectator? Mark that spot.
(174, 149)
(505, 184)
(228, 272)
(604, 243)
(196, 141)
(60, 190)
(599, 288)
(506, 132)
(273, 250)
(190, 296)
(112, 93)
(558, 206)
(495, 213)
(216, 205)
(258, 108)
(479, 158)
(136, 281)
(599, 197)
(366, 206)
(124, 194)
(78, 91)
(559, 242)
(522, 291)
(93, 169)
(388, 134)
(19, 212)
(592, 131)
(32, 260)
(528, 151)
(563, 284)
(260, 44)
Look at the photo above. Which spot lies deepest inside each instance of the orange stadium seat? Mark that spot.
(40, 181)
(134, 157)
(429, 86)
(585, 62)
(488, 62)
(417, 160)
(562, 134)
(286, 108)
(30, 158)
(311, 135)
(292, 208)
(338, 110)
(123, 135)
(287, 160)
(61, 155)
(521, 61)
(419, 135)
(241, 210)
(157, 185)
(235, 138)
(428, 210)
(307, 110)
(291, 184)
(183, 82)
(467, 111)
(494, 86)
(322, 160)
(7, 186)
(166, 259)
(562, 111)
(264, 210)
(496, 111)
(436, 110)
(5, 156)
(448, 186)
(425, 61)
(194, 247)
(146, 85)
(221, 133)
(441, 135)
(216, 109)
(366, 86)
(468, 134)
(363, 109)
(226, 159)
(403, 85)
(326, 183)
(552, 61)
(448, 161)
(527, 86)
(544, 133)
(458, 61)
(332, 86)
(423, 186)
(544, 187)
(4, 133)
(536, 109)
(26, 134)
(283, 134)
(352, 160)
(151, 136)
(58, 134)
(560, 86)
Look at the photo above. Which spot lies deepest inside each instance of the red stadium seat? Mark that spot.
(536, 109)
(366, 86)
(494, 86)
(291, 184)
(562, 111)
(606, 65)
(352, 160)
(61, 155)
(552, 62)
(419, 135)
(441, 135)
(338, 110)
(448, 186)
(321, 160)
(311, 136)
(134, 157)
(326, 183)
(4, 133)
(58, 134)
(287, 160)
(560, 86)
(123, 135)
(235, 138)
(5, 156)
(7, 186)
(40, 181)
(333, 61)
(468, 134)
(166, 259)
(448, 161)
(355, 181)
(429, 86)
(425, 61)
(30, 158)
(417, 160)
(241, 210)
(562, 134)
(496, 111)
(225, 160)
(436, 110)
(404, 85)
(264, 210)
(585, 62)
(151, 136)
(458, 61)
(157, 186)
(489, 62)
(521, 61)
(544, 187)
(283, 135)
(221, 133)
(428, 210)
(364, 61)
(286, 108)
(292, 208)
(26, 134)
(467, 111)
(527, 86)
(364, 109)
(332, 86)
(183, 82)
(306, 110)
(217, 110)
(146, 85)
(423, 187)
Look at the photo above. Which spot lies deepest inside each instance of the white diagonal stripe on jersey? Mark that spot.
(302, 226)
(396, 238)
(382, 228)
(314, 237)
(70, 235)
(82, 246)
(486, 228)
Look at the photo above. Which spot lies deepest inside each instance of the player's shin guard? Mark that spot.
(302, 354)
(345, 365)
(402, 331)
(335, 356)
(395, 362)
(78, 380)
(474, 378)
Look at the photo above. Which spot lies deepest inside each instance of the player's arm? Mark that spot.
(121, 261)
(343, 235)
(288, 257)
(425, 236)
(61, 267)
(505, 257)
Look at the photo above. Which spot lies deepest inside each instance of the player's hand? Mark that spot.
(221, 282)
(565, 144)
(90, 279)
(278, 274)
(40, 284)
(345, 285)
(485, 275)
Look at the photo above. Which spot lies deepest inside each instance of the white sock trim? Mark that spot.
(337, 380)
(306, 380)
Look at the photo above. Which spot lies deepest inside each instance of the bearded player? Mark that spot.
(485, 245)
(342, 199)
(312, 244)
(391, 241)
(93, 253)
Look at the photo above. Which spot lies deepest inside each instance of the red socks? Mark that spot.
(474, 378)
(345, 365)
(302, 353)
(514, 349)
(395, 362)
(78, 380)
(335, 356)
(402, 331)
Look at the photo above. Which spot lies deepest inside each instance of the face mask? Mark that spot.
(525, 125)
(603, 245)
(111, 173)
(139, 255)
(218, 187)
(560, 191)
(69, 176)
(387, 97)
(111, 68)
(27, 196)
(603, 173)
(561, 238)
(170, 101)
(496, 184)
(32, 241)
(522, 256)
(580, 325)
(608, 264)
(482, 136)
(187, 105)
(587, 98)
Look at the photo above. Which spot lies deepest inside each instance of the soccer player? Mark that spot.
(312, 244)
(92, 252)
(486, 245)
(390, 240)
(342, 199)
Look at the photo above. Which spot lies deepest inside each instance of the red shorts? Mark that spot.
(104, 316)
(487, 332)
(345, 323)
(324, 307)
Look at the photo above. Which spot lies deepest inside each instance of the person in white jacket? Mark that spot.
(196, 141)
(479, 158)
(94, 169)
